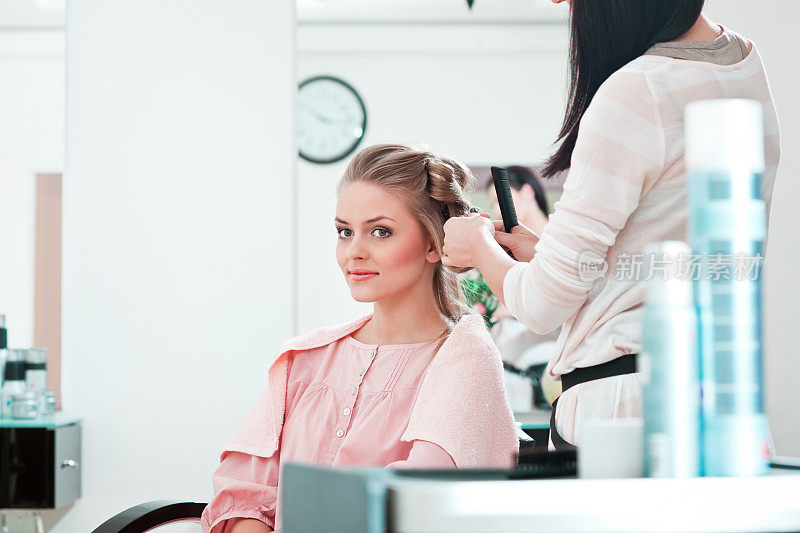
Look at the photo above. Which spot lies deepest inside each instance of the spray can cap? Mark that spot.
(668, 273)
(725, 133)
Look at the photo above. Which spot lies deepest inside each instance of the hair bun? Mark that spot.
(448, 182)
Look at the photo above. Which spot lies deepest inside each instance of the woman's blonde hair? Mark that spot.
(435, 189)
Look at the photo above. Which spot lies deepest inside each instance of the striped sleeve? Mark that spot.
(620, 151)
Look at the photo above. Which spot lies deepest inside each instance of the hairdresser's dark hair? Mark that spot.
(605, 35)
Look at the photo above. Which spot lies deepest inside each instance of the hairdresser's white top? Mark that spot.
(627, 187)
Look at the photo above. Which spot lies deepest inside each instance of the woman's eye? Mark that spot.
(381, 233)
(344, 233)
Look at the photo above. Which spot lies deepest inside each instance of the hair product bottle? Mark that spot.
(3, 346)
(36, 369)
(727, 229)
(3, 353)
(669, 366)
(14, 382)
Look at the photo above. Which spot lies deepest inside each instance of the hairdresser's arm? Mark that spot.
(619, 155)
(470, 242)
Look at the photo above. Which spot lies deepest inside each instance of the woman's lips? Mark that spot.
(361, 275)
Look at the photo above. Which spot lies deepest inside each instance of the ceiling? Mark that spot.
(430, 11)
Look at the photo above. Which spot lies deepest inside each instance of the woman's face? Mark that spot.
(381, 250)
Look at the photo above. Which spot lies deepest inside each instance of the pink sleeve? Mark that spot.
(425, 454)
(245, 486)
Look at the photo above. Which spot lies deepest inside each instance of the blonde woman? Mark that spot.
(416, 384)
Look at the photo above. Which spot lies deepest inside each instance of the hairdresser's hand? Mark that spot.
(463, 237)
(521, 241)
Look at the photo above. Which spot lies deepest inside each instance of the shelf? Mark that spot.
(58, 419)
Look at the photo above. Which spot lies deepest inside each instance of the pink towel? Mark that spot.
(461, 406)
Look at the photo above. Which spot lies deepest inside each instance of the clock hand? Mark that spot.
(321, 117)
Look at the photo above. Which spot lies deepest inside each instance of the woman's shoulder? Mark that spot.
(323, 336)
(632, 80)
(626, 99)
(468, 356)
(470, 339)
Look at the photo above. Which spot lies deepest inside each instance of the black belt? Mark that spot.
(616, 367)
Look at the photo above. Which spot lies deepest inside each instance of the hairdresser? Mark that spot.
(635, 65)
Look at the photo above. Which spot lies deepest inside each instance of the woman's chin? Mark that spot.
(363, 296)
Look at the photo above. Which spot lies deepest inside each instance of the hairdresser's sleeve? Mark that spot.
(425, 454)
(245, 486)
(618, 155)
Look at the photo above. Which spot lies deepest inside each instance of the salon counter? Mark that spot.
(372, 500)
(728, 505)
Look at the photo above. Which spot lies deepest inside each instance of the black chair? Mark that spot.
(149, 515)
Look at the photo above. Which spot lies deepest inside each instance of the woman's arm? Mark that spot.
(245, 495)
(246, 525)
(618, 155)
(425, 454)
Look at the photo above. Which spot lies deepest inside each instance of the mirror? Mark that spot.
(486, 86)
(31, 165)
(429, 72)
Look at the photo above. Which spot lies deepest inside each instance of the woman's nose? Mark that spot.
(356, 249)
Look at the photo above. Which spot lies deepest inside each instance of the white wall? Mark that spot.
(31, 141)
(178, 253)
(457, 88)
(771, 25)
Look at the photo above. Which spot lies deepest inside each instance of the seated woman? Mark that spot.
(416, 384)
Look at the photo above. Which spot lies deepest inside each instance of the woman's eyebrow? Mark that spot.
(370, 221)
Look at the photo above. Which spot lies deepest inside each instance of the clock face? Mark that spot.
(331, 119)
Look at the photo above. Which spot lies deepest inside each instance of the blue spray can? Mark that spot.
(727, 230)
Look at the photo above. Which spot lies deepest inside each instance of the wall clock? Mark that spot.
(331, 119)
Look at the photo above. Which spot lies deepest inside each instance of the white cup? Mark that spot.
(611, 448)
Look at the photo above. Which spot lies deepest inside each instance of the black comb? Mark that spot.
(503, 189)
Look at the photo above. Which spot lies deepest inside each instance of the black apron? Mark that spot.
(616, 367)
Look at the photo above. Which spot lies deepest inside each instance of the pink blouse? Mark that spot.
(347, 403)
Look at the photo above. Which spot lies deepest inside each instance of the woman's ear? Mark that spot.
(432, 255)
